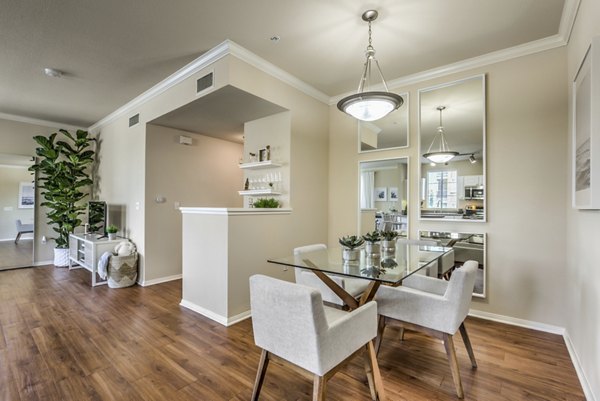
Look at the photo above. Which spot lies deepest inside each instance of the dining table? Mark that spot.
(388, 267)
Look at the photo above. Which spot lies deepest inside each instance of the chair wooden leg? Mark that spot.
(319, 388)
(449, 345)
(372, 357)
(260, 374)
(465, 337)
(401, 333)
(380, 329)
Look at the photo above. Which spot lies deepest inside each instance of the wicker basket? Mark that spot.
(122, 271)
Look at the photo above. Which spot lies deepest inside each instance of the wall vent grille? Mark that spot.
(134, 120)
(204, 83)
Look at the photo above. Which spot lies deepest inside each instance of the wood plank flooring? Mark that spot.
(60, 339)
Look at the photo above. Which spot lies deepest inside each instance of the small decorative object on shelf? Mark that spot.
(252, 157)
(268, 152)
(262, 155)
(246, 185)
(267, 203)
(111, 230)
(372, 239)
(350, 244)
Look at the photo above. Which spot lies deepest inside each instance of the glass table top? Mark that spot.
(389, 267)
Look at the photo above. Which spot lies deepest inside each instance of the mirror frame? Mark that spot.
(358, 222)
(406, 98)
(484, 152)
(483, 294)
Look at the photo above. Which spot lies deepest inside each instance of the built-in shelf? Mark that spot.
(259, 165)
(258, 192)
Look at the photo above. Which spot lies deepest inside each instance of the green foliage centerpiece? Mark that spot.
(350, 244)
(63, 178)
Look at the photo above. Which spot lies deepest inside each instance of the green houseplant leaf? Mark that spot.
(62, 175)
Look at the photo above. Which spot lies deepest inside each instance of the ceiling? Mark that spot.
(113, 50)
(220, 114)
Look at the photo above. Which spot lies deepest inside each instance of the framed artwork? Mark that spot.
(393, 192)
(262, 155)
(26, 195)
(380, 194)
(586, 130)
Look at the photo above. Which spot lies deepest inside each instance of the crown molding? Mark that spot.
(560, 39)
(228, 47)
(35, 121)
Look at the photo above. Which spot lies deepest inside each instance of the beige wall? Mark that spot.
(582, 284)
(526, 138)
(17, 138)
(204, 174)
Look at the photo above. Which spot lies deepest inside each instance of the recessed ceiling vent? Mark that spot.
(204, 83)
(134, 120)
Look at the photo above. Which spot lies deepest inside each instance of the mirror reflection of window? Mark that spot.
(452, 151)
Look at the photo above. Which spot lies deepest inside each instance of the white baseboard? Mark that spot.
(548, 328)
(44, 262)
(513, 321)
(159, 280)
(225, 321)
(585, 384)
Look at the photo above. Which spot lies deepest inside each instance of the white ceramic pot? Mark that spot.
(112, 236)
(373, 248)
(350, 254)
(389, 246)
(61, 257)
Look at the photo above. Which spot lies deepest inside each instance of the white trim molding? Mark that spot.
(43, 263)
(225, 321)
(35, 121)
(147, 283)
(234, 211)
(585, 384)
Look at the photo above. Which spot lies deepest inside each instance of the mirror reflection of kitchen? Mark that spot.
(452, 148)
(389, 132)
(465, 246)
(384, 196)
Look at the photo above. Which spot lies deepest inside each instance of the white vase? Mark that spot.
(373, 248)
(112, 236)
(61, 257)
(350, 254)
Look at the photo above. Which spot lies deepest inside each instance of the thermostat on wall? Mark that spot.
(185, 140)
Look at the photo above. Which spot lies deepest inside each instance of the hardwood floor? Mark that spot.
(16, 255)
(62, 340)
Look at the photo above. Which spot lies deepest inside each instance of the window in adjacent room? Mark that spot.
(441, 189)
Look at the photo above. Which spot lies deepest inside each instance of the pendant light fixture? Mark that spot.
(370, 105)
(443, 153)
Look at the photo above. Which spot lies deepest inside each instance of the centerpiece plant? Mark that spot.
(350, 244)
(388, 240)
(372, 240)
(62, 168)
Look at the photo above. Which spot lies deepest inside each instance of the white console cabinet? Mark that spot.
(86, 249)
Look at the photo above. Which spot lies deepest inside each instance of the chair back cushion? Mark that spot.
(460, 289)
(287, 319)
(298, 252)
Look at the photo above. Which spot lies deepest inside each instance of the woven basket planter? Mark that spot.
(122, 271)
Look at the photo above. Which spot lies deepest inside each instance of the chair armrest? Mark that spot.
(346, 335)
(426, 284)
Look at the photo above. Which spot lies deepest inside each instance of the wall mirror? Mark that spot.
(387, 133)
(452, 151)
(465, 246)
(17, 212)
(383, 195)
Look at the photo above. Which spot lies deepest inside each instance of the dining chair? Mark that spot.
(353, 286)
(435, 307)
(22, 229)
(291, 324)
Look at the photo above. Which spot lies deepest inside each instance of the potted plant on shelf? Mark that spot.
(350, 244)
(63, 177)
(388, 241)
(111, 230)
(268, 203)
(372, 240)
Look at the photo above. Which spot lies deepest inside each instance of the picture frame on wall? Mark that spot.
(586, 130)
(26, 195)
(262, 155)
(380, 194)
(393, 193)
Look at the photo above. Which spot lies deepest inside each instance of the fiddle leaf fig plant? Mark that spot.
(351, 241)
(63, 178)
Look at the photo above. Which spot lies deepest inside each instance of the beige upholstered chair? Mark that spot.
(434, 306)
(291, 322)
(353, 286)
(22, 229)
